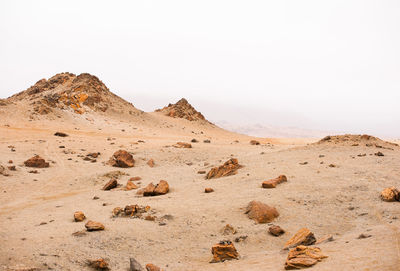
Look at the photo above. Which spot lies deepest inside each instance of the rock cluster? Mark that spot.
(134, 210)
(260, 212)
(229, 168)
(161, 188)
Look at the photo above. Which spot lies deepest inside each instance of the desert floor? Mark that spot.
(36, 210)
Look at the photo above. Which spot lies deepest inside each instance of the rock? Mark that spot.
(182, 109)
(161, 188)
(230, 167)
(37, 162)
(61, 134)
(379, 154)
(111, 184)
(150, 218)
(94, 226)
(208, 190)
(12, 168)
(260, 212)
(93, 154)
(99, 264)
(150, 163)
(228, 229)
(276, 230)
(201, 172)
(303, 237)
(206, 141)
(79, 216)
(122, 159)
(137, 178)
(272, 183)
(303, 257)
(135, 265)
(130, 185)
(240, 238)
(254, 142)
(194, 140)
(182, 145)
(130, 210)
(390, 194)
(223, 251)
(363, 236)
(152, 267)
(117, 211)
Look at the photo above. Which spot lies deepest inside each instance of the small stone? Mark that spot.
(228, 229)
(94, 226)
(110, 184)
(276, 230)
(390, 194)
(254, 142)
(150, 163)
(274, 182)
(99, 264)
(379, 154)
(130, 185)
(152, 267)
(79, 216)
(194, 140)
(208, 190)
(61, 134)
(201, 172)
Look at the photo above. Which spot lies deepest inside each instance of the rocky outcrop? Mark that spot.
(182, 109)
(272, 183)
(37, 162)
(94, 226)
(122, 159)
(224, 250)
(303, 257)
(229, 168)
(357, 140)
(161, 188)
(390, 194)
(260, 212)
(303, 237)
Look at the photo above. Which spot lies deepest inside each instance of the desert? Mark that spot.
(88, 181)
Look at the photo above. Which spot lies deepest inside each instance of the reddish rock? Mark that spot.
(230, 167)
(182, 145)
(154, 190)
(182, 109)
(303, 237)
(228, 229)
(37, 162)
(122, 159)
(93, 154)
(303, 257)
(150, 163)
(130, 185)
(99, 264)
(130, 210)
(260, 212)
(201, 172)
(223, 251)
(150, 218)
(254, 142)
(117, 211)
(208, 190)
(276, 230)
(94, 226)
(137, 178)
(111, 184)
(79, 216)
(272, 183)
(390, 194)
(152, 267)
(12, 168)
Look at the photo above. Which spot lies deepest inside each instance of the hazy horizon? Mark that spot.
(327, 66)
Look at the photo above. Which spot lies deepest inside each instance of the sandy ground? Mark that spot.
(36, 210)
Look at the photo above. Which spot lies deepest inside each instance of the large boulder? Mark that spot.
(303, 237)
(390, 194)
(36, 161)
(224, 250)
(122, 159)
(303, 257)
(230, 167)
(272, 183)
(161, 188)
(260, 212)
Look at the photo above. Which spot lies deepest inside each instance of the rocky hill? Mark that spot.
(357, 140)
(69, 92)
(182, 109)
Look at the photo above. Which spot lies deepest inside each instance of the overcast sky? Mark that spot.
(326, 65)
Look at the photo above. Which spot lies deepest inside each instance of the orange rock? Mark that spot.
(149, 190)
(182, 145)
(274, 182)
(79, 216)
(160, 189)
(223, 251)
(254, 142)
(122, 159)
(110, 184)
(208, 190)
(303, 237)
(390, 194)
(99, 264)
(150, 163)
(152, 267)
(130, 210)
(130, 185)
(94, 226)
(228, 229)
(37, 162)
(260, 212)
(117, 211)
(182, 109)
(137, 178)
(230, 167)
(276, 230)
(303, 257)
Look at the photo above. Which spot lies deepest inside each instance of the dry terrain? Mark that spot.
(333, 188)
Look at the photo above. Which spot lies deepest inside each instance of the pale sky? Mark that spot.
(325, 65)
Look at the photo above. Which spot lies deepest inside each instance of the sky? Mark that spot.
(324, 65)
